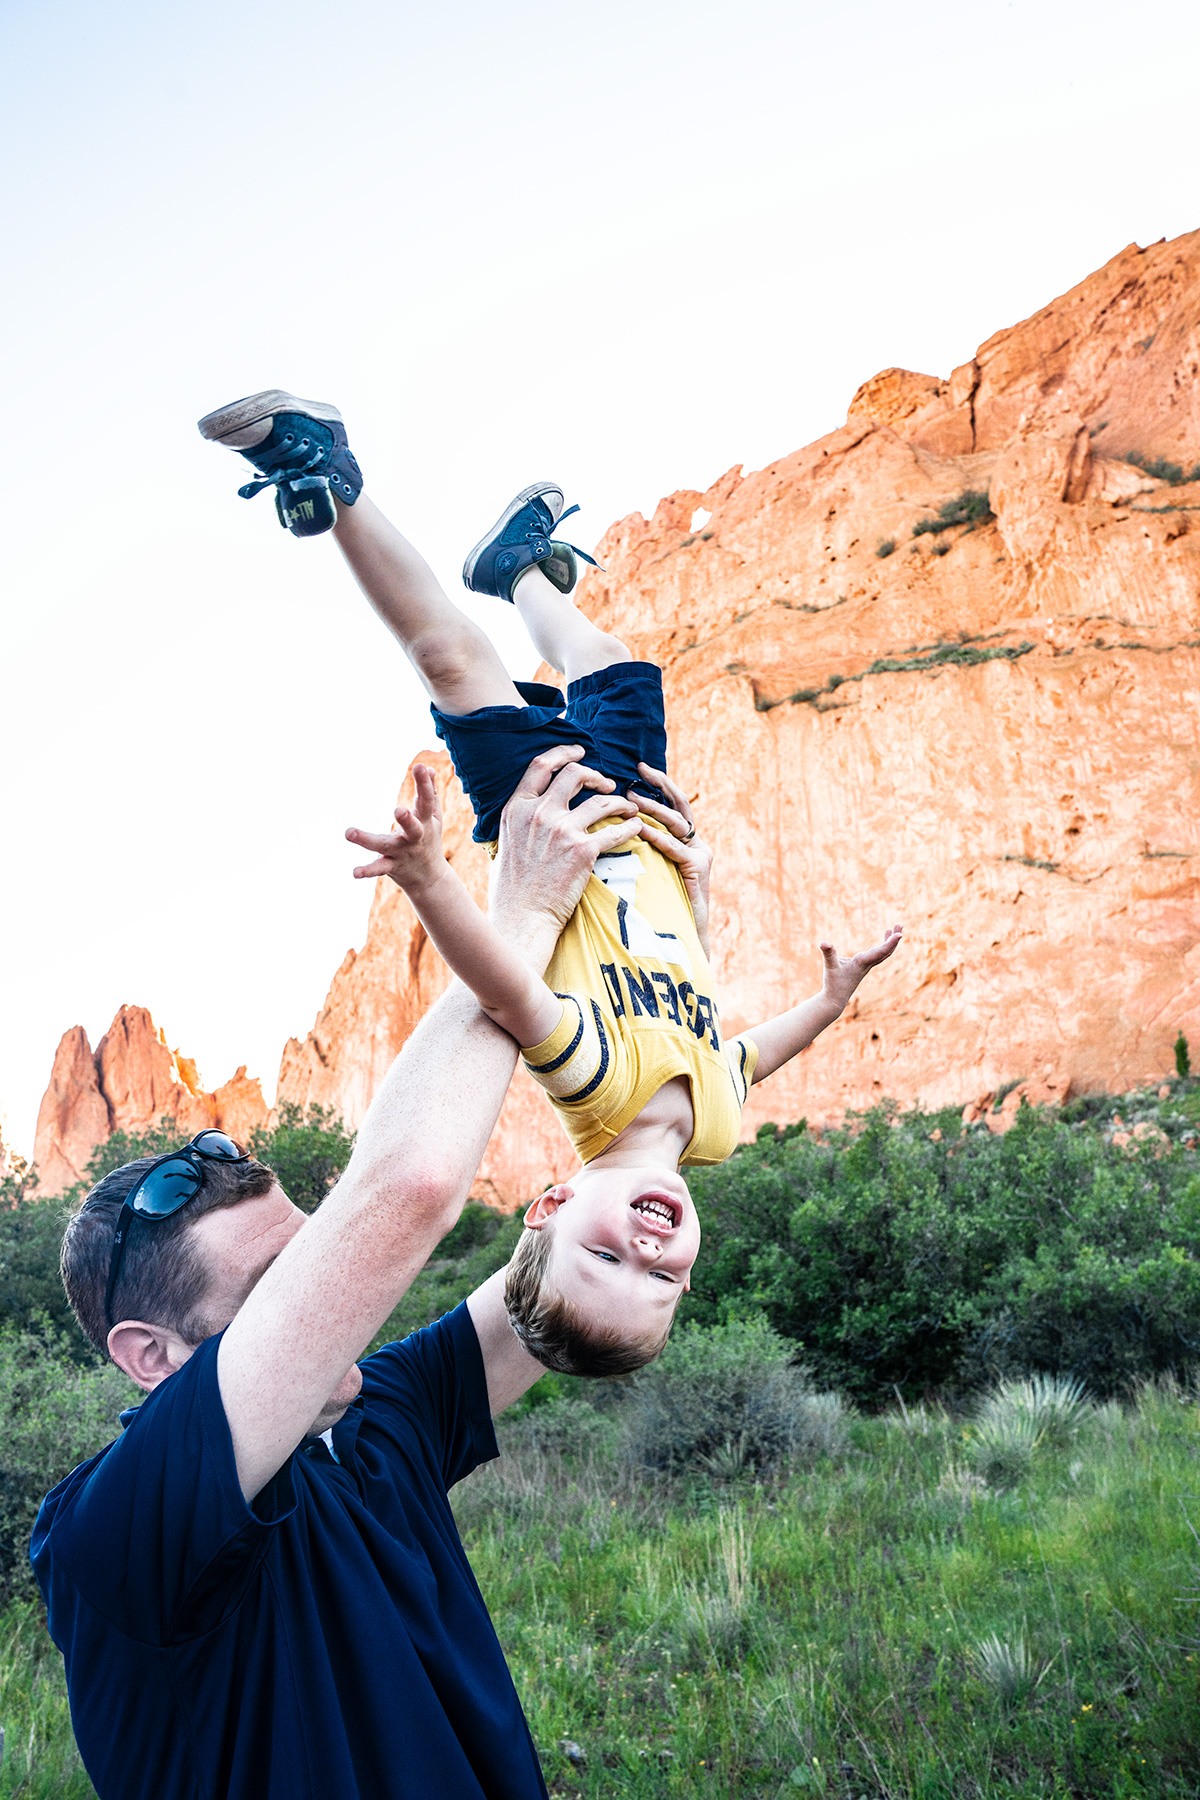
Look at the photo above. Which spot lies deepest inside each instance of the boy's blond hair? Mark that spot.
(554, 1330)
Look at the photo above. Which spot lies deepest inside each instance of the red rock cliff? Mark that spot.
(989, 731)
(131, 1081)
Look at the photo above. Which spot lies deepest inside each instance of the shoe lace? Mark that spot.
(297, 479)
(535, 532)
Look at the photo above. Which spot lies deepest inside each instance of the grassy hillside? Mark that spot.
(835, 1542)
(876, 1618)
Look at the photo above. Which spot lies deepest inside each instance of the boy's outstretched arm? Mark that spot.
(778, 1040)
(503, 983)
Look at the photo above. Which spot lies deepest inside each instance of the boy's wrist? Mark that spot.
(422, 885)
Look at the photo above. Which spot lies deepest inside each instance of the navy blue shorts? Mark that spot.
(616, 714)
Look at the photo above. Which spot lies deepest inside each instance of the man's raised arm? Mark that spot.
(309, 1318)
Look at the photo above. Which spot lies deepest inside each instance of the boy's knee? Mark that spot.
(443, 657)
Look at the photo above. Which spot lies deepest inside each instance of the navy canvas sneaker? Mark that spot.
(298, 447)
(521, 538)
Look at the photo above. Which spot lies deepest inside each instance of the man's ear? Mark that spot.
(543, 1209)
(147, 1353)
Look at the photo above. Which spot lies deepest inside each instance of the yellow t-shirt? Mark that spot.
(638, 1010)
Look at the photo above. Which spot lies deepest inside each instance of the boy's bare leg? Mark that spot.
(561, 634)
(457, 662)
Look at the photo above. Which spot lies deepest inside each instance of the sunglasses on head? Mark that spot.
(167, 1185)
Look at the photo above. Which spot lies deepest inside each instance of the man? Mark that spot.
(259, 1591)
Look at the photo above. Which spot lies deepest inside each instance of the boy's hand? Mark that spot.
(412, 853)
(843, 973)
(678, 842)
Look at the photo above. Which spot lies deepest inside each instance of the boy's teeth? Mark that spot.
(655, 1209)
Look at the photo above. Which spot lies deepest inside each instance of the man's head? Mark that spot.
(182, 1278)
(594, 1282)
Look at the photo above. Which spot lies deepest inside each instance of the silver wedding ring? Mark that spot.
(691, 834)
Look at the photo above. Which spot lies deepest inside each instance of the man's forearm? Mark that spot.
(331, 1288)
(418, 1119)
(778, 1040)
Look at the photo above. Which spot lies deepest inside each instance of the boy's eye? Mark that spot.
(606, 1256)
(660, 1276)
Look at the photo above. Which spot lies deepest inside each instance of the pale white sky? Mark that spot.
(623, 245)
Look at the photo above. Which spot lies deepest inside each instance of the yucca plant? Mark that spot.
(1022, 1415)
(1007, 1667)
(1058, 1405)
(1002, 1445)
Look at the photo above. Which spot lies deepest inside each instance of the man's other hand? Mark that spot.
(547, 851)
(678, 841)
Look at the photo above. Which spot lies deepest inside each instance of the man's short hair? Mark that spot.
(163, 1278)
(553, 1329)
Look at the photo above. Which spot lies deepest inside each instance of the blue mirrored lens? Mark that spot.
(165, 1189)
(216, 1144)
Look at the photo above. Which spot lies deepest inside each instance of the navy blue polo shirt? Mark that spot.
(327, 1639)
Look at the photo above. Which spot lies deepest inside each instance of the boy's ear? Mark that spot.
(542, 1210)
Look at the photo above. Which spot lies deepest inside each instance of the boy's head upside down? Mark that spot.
(600, 1269)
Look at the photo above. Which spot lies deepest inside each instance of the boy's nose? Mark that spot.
(649, 1247)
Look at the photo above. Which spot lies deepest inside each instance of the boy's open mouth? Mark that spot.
(658, 1211)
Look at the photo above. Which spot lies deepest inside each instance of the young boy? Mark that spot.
(623, 1033)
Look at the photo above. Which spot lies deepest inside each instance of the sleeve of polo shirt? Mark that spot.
(575, 1062)
(157, 1535)
(741, 1053)
(435, 1386)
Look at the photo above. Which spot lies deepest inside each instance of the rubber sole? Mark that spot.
(240, 415)
(538, 491)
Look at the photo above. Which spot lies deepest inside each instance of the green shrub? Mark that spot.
(1183, 1061)
(885, 546)
(563, 1427)
(728, 1399)
(1160, 470)
(968, 508)
(308, 1151)
(126, 1146)
(477, 1227)
(53, 1414)
(894, 1256)
(31, 1289)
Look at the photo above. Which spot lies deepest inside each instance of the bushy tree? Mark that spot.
(308, 1151)
(54, 1413)
(898, 1252)
(31, 1232)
